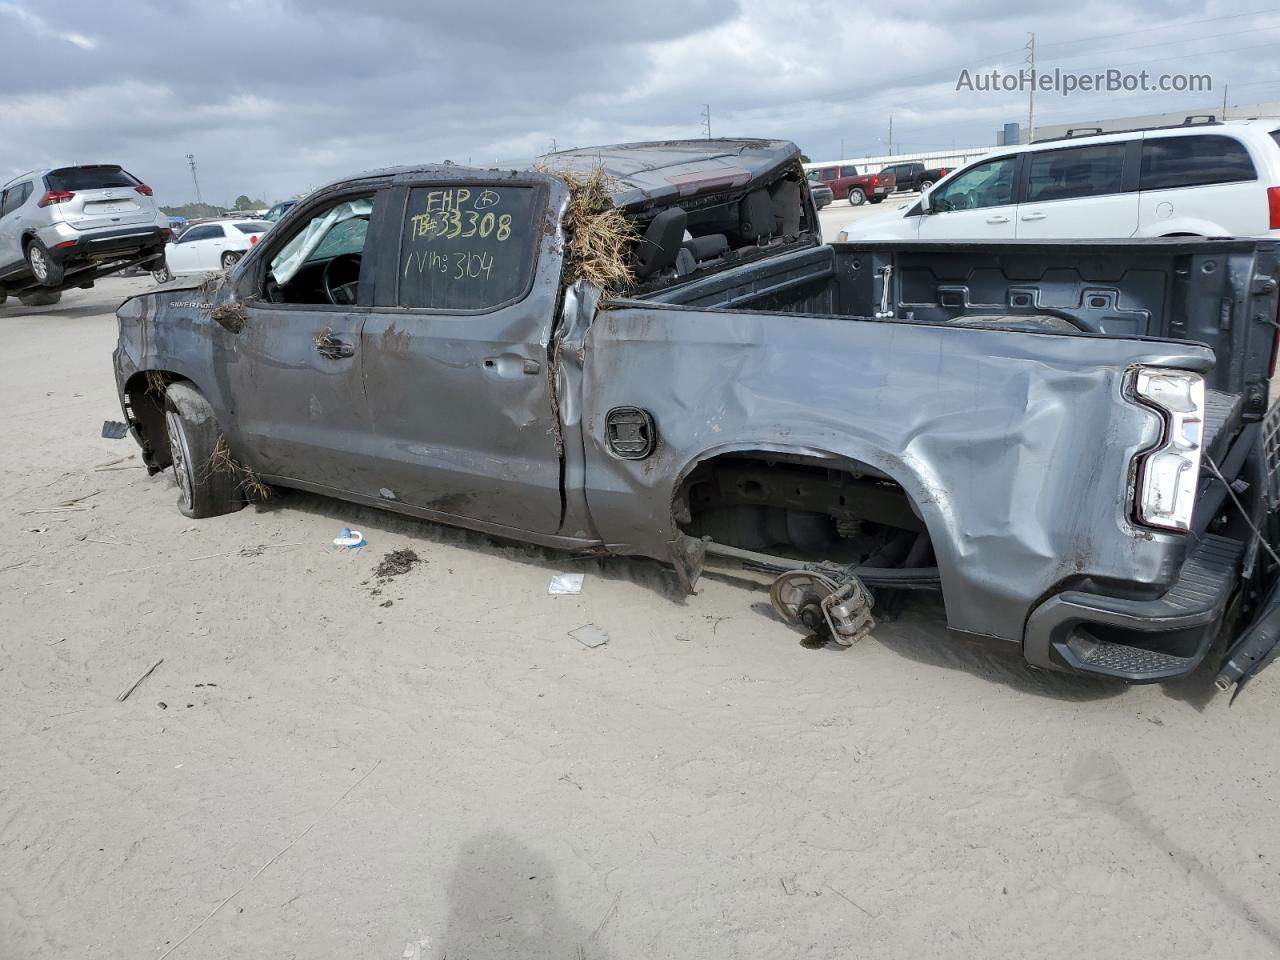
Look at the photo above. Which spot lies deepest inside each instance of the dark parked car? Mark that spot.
(1094, 483)
(914, 175)
(847, 183)
(821, 193)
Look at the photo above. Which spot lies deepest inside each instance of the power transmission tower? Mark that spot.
(1031, 91)
(706, 119)
(191, 159)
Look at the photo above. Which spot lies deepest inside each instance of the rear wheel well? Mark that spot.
(144, 394)
(803, 508)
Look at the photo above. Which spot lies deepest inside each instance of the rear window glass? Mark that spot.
(1169, 162)
(1275, 135)
(252, 227)
(1076, 172)
(89, 178)
(467, 246)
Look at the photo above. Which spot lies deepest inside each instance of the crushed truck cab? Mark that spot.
(647, 350)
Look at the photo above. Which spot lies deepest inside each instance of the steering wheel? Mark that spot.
(342, 294)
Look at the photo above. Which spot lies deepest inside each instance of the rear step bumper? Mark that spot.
(1067, 631)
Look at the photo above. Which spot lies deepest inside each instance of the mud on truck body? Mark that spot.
(1072, 442)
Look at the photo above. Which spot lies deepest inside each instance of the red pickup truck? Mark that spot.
(847, 183)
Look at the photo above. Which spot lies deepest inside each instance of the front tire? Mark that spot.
(163, 275)
(229, 260)
(205, 489)
(47, 271)
(856, 197)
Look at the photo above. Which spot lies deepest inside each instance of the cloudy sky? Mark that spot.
(278, 96)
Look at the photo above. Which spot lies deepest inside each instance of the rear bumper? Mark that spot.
(1139, 641)
(1228, 577)
(113, 244)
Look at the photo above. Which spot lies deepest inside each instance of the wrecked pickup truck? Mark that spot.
(647, 350)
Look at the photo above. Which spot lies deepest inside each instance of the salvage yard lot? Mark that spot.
(454, 775)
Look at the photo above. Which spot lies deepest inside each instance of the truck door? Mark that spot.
(1079, 192)
(456, 354)
(291, 362)
(977, 204)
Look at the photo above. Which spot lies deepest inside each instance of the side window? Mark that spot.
(13, 198)
(1076, 172)
(468, 246)
(205, 231)
(320, 261)
(848, 171)
(1169, 162)
(988, 184)
(828, 173)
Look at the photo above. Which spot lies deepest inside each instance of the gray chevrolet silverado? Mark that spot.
(647, 350)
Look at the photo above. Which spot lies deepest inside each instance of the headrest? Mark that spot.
(660, 244)
(709, 247)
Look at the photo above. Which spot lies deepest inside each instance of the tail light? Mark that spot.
(1273, 206)
(875, 179)
(143, 189)
(253, 239)
(54, 196)
(1169, 474)
(166, 234)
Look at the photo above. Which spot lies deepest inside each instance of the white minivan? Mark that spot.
(1198, 179)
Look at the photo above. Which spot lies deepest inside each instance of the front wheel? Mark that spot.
(163, 275)
(856, 197)
(204, 472)
(229, 260)
(47, 271)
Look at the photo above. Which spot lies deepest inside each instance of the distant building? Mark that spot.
(1245, 111)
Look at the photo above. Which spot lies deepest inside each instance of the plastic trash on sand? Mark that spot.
(563, 583)
(350, 538)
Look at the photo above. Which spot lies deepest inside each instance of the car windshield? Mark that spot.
(71, 179)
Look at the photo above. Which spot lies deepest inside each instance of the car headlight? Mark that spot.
(842, 236)
(1169, 474)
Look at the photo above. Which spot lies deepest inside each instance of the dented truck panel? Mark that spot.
(982, 395)
(986, 431)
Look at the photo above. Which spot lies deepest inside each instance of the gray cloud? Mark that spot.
(277, 96)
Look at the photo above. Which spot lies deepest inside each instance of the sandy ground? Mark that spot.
(311, 773)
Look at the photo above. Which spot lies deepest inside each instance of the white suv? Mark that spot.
(66, 226)
(1199, 179)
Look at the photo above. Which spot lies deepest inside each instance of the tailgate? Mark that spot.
(100, 196)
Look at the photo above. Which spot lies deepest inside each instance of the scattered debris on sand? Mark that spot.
(395, 563)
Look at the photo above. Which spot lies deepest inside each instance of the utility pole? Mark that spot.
(1031, 91)
(891, 134)
(842, 148)
(191, 159)
(1224, 103)
(706, 119)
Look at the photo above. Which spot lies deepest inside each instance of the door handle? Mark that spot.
(997, 219)
(331, 348)
(1034, 216)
